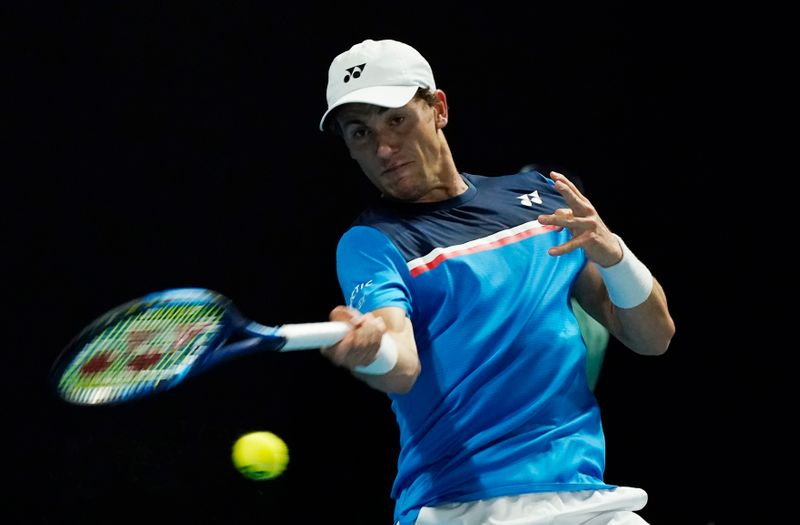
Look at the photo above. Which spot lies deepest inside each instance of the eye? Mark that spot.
(397, 120)
(358, 133)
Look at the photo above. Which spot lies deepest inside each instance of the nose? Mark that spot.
(386, 144)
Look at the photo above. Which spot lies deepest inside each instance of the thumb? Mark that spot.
(345, 313)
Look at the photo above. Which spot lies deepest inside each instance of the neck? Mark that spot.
(451, 184)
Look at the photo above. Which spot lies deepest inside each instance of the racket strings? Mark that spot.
(139, 351)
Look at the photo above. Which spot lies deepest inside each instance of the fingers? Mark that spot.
(561, 249)
(344, 313)
(572, 244)
(562, 182)
(564, 218)
(581, 219)
(575, 199)
(359, 346)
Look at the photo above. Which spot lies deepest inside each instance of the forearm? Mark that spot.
(379, 339)
(640, 316)
(647, 328)
(637, 315)
(402, 377)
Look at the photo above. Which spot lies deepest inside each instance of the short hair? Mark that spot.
(424, 94)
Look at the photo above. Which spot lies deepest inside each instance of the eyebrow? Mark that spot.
(347, 120)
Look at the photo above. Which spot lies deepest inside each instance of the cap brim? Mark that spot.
(384, 96)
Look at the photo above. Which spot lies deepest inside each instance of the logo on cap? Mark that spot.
(354, 72)
(396, 71)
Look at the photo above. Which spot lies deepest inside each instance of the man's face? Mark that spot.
(400, 150)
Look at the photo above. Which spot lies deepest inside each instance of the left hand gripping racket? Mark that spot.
(155, 342)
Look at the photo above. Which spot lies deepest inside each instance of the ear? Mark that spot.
(440, 109)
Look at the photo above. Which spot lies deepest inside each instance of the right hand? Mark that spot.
(360, 346)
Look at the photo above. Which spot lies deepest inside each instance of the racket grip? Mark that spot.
(306, 336)
(384, 361)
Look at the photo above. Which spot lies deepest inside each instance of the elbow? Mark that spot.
(660, 344)
(669, 334)
(403, 388)
(660, 349)
(398, 381)
(406, 381)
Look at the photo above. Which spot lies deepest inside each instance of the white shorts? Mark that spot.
(584, 507)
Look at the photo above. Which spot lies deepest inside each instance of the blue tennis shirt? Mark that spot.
(502, 405)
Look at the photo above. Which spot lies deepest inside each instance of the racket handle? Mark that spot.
(306, 336)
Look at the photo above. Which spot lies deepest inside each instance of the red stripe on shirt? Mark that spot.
(421, 268)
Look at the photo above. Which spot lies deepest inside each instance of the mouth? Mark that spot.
(391, 170)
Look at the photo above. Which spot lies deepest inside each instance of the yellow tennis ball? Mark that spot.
(260, 455)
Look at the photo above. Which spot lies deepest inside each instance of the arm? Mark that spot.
(645, 327)
(360, 346)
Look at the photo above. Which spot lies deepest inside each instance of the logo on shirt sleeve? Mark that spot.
(358, 295)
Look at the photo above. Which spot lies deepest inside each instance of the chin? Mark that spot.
(410, 195)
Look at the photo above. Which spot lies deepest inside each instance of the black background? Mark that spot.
(158, 147)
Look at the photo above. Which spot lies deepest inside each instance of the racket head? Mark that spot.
(144, 346)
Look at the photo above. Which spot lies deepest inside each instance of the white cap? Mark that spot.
(385, 73)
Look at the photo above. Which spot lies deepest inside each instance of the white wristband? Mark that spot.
(384, 361)
(628, 282)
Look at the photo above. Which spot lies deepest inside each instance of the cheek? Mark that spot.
(365, 163)
(359, 157)
(429, 145)
(358, 154)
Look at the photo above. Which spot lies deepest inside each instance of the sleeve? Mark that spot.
(372, 273)
(542, 177)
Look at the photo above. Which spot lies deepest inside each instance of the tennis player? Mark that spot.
(472, 277)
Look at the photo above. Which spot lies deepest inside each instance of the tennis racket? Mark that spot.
(155, 342)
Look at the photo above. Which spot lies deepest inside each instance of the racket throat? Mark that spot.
(240, 348)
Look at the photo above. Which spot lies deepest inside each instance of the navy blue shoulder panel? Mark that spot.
(490, 205)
